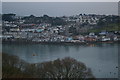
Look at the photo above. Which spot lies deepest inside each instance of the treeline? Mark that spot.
(110, 19)
(107, 23)
(35, 20)
(13, 67)
(58, 20)
(8, 17)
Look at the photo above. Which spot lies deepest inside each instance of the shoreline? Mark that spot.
(76, 43)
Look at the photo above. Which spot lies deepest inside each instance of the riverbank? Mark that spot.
(76, 43)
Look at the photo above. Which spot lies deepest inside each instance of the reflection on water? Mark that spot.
(101, 58)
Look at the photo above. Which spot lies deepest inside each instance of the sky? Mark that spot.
(59, 0)
(60, 8)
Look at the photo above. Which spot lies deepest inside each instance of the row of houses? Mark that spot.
(53, 37)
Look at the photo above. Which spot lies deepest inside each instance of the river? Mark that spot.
(101, 58)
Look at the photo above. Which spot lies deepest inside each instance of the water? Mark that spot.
(101, 58)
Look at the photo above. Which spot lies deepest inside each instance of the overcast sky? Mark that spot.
(59, 8)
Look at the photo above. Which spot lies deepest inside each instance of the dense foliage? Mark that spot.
(44, 19)
(13, 67)
(108, 20)
(8, 17)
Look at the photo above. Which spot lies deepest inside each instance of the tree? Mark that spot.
(8, 17)
(73, 30)
(64, 68)
(13, 67)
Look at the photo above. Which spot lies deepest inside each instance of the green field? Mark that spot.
(110, 27)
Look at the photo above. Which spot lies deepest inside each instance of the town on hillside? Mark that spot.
(77, 28)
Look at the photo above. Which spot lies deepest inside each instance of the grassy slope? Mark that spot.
(110, 27)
